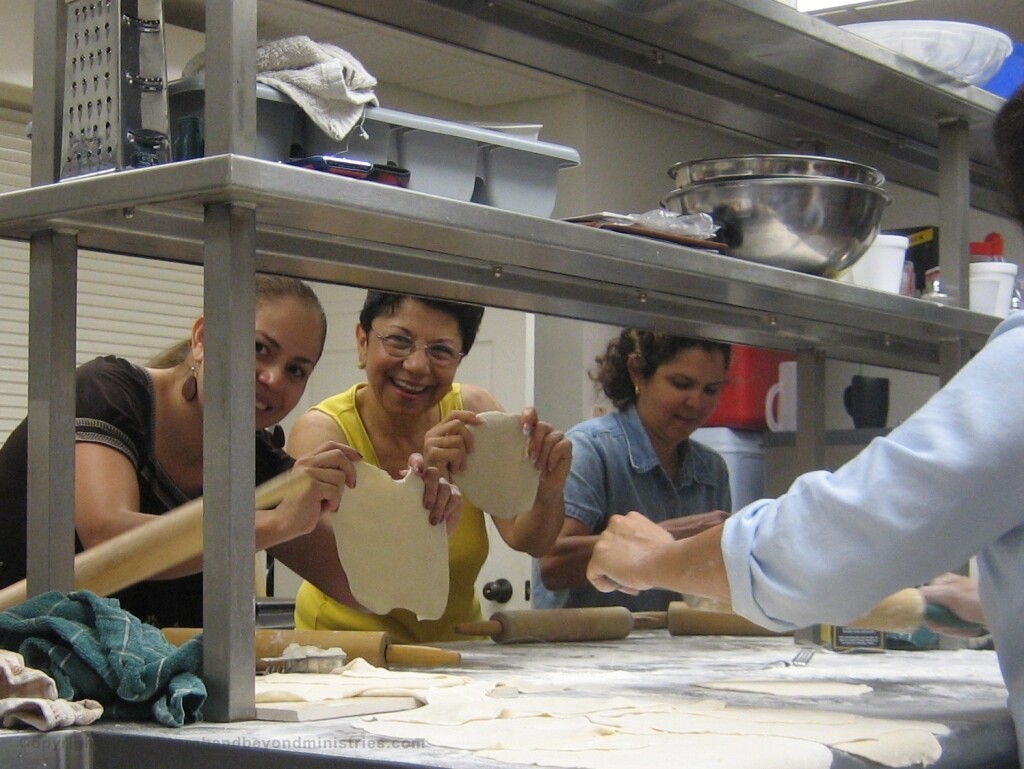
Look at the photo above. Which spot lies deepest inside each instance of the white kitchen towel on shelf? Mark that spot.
(326, 81)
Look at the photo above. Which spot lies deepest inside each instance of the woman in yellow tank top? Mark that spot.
(410, 405)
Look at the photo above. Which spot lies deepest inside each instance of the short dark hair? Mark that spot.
(468, 316)
(653, 349)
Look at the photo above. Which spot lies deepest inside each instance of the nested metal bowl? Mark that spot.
(746, 166)
(819, 226)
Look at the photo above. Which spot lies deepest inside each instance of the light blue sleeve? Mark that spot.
(937, 490)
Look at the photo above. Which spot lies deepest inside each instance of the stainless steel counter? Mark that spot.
(961, 689)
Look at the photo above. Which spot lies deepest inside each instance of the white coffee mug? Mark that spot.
(783, 392)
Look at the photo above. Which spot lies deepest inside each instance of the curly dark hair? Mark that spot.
(468, 316)
(1008, 131)
(653, 348)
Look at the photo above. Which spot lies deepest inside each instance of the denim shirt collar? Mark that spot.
(641, 451)
(643, 458)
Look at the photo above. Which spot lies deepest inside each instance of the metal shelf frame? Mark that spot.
(235, 215)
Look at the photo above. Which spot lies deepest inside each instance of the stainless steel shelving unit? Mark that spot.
(742, 64)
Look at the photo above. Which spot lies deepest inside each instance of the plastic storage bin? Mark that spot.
(455, 160)
(277, 116)
(743, 452)
(752, 371)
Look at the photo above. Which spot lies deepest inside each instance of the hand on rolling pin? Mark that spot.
(688, 525)
(620, 553)
(441, 498)
(330, 468)
(958, 594)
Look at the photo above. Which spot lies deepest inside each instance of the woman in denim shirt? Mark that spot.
(640, 457)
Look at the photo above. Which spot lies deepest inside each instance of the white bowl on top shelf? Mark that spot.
(967, 52)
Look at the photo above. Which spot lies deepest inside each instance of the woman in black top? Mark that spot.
(139, 452)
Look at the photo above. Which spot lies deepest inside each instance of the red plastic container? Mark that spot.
(752, 371)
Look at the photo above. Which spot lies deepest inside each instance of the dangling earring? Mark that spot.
(190, 387)
(361, 364)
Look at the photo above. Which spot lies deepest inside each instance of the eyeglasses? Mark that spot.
(401, 346)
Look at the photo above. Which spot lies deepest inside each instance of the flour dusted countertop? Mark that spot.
(960, 689)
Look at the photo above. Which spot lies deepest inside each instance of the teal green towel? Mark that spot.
(94, 649)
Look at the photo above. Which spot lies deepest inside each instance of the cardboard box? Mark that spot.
(838, 638)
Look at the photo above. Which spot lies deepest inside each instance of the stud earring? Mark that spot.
(190, 387)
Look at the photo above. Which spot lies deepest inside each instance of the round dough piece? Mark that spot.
(810, 688)
(500, 477)
(393, 556)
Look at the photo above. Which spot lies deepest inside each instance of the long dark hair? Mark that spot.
(653, 348)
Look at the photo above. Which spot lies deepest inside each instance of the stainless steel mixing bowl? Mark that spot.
(819, 226)
(711, 169)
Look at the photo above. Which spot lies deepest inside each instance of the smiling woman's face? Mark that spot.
(289, 340)
(414, 384)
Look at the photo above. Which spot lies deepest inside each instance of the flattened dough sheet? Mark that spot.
(591, 733)
(393, 556)
(500, 477)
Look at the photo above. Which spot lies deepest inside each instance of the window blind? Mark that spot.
(126, 306)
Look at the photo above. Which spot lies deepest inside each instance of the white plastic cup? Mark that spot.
(991, 287)
(783, 392)
(881, 266)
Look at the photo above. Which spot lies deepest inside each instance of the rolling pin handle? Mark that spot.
(489, 627)
(411, 655)
(650, 620)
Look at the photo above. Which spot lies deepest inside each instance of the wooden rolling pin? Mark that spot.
(373, 646)
(901, 612)
(687, 620)
(146, 550)
(541, 625)
(906, 611)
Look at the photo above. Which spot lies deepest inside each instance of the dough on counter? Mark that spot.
(357, 678)
(808, 688)
(393, 556)
(591, 733)
(500, 477)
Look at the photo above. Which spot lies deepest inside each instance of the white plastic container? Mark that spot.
(456, 160)
(881, 266)
(992, 287)
(743, 452)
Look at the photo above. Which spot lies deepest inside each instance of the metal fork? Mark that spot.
(803, 657)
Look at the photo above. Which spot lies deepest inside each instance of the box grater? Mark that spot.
(115, 97)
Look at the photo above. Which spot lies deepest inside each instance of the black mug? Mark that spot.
(867, 400)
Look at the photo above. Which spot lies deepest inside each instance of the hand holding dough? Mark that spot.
(500, 477)
(393, 556)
